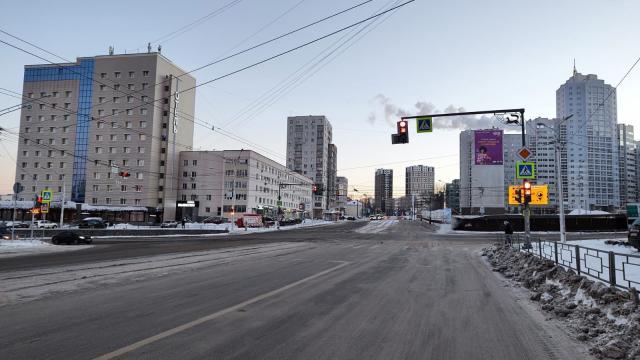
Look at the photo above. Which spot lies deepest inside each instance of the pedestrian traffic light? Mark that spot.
(526, 186)
(518, 195)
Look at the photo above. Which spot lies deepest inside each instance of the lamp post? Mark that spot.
(558, 150)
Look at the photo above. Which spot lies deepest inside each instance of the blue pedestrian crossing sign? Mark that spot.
(424, 124)
(47, 196)
(525, 170)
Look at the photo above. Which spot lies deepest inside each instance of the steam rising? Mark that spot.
(392, 113)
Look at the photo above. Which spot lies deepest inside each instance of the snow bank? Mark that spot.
(11, 248)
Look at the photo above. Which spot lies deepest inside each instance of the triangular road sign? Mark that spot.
(525, 171)
(424, 124)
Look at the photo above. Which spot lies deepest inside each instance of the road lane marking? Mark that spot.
(189, 325)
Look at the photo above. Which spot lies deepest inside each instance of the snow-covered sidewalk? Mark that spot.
(11, 248)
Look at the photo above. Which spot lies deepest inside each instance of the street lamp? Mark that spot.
(558, 149)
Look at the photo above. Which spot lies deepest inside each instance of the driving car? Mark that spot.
(70, 238)
(351, 218)
(45, 224)
(92, 223)
(169, 224)
(633, 235)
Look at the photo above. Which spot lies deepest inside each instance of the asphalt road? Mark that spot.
(397, 292)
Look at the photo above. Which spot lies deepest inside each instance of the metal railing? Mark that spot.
(621, 270)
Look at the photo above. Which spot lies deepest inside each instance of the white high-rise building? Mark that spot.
(419, 184)
(590, 152)
(308, 139)
(541, 137)
(481, 186)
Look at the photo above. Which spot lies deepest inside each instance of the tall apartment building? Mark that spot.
(541, 137)
(590, 154)
(231, 182)
(627, 165)
(332, 174)
(308, 139)
(419, 183)
(452, 195)
(481, 186)
(90, 119)
(342, 184)
(384, 191)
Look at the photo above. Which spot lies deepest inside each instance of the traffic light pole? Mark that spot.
(526, 212)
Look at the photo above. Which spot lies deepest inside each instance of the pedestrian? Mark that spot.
(183, 222)
(508, 232)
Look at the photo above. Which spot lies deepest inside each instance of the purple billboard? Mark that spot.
(488, 148)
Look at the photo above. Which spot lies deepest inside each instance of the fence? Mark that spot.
(621, 270)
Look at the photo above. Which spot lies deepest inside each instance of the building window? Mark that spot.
(129, 112)
(103, 75)
(94, 201)
(184, 186)
(113, 137)
(129, 99)
(145, 73)
(141, 150)
(145, 86)
(127, 150)
(117, 74)
(143, 137)
(143, 111)
(195, 162)
(127, 137)
(64, 141)
(131, 86)
(132, 74)
(127, 124)
(123, 188)
(193, 185)
(207, 209)
(140, 162)
(137, 201)
(143, 124)
(193, 174)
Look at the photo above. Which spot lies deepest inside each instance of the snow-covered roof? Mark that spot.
(588, 212)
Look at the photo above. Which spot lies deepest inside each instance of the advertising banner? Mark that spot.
(488, 147)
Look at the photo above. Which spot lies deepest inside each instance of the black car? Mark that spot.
(633, 236)
(69, 237)
(215, 220)
(92, 223)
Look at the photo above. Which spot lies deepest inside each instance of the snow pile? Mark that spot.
(11, 248)
(606, 318)
(588, 212)
(21, 244)
(376, 226)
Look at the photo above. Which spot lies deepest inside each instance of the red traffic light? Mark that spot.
(402, 126)
(314, 188)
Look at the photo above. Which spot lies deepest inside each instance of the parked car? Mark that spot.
(379, 217)
(92, 223)
(45, 224)
(215, 220)
(633, 235)
(351, 218)
(70, 238)
(17, 225)
(373, 217)
(169, 224)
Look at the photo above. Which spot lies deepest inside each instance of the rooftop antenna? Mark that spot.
(574, 67)
(148, 47)
(110, 49)
(159, 49)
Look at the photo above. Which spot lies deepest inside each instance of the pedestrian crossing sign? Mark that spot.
(525, 170)
(47, 196)
(425, 124)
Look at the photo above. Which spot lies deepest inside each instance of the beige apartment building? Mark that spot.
(88, 121)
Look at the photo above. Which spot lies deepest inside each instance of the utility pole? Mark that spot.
(64, 191)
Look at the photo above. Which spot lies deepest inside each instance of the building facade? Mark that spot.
(229, 183)
(102, 115)
(541, 139)
(452, 195)
(332, 174)
(481, 186)
(627, 165)
(342, 185)
(419, 184)
(590, 165)
(384, 191)
(308, 139)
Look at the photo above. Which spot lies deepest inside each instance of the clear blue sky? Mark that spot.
(472, 54)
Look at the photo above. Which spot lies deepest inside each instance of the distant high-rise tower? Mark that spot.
(384, 191)
(419, 184)
(590, 164)
(308, 139)
(627, 165)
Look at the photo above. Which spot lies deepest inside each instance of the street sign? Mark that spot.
(525, 170)
(44, 208)
(17, 188)
(47, 196)
(35, 210)
(524, 153)
(424, 124)
(539, 194)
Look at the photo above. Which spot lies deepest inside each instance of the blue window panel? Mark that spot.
(84, 73)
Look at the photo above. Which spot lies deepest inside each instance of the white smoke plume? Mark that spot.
(392, 113)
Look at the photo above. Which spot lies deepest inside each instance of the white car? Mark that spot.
(45, 224)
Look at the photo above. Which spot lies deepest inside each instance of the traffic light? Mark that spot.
(314, 188)
(37, 200)
(526, 186)
(124, 174)
(402, 137)
(518, 195)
